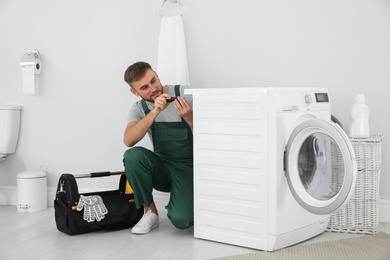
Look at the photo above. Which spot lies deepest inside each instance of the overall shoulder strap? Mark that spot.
(177, 93)
(145, 106)
(177, 90)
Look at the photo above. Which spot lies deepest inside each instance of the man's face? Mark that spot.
(149, 87)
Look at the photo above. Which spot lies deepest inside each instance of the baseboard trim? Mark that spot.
(384, 210)
(8, 196)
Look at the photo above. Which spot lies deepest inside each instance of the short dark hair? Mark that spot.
(136, 71)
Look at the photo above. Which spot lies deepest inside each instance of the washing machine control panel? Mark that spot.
(308, 99)
(322, 97)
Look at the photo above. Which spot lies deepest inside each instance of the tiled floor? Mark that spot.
(34, 236)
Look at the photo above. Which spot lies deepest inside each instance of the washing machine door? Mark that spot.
(320, 166)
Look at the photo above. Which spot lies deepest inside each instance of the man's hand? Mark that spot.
(161, 102)
(183, 108)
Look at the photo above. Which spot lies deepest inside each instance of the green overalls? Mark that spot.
(169, 169)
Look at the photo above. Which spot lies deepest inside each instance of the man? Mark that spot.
(169, 167)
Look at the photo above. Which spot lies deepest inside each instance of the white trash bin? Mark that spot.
(32, 191)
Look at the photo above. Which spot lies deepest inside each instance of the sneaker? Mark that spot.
(148, 221)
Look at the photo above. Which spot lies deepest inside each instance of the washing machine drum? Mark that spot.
(320, 166)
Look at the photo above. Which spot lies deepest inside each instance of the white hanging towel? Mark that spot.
(172, 67)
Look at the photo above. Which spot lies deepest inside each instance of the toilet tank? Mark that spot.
(9, 128)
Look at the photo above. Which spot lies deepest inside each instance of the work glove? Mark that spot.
(94, 207)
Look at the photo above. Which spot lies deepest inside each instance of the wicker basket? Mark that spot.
(360, 214)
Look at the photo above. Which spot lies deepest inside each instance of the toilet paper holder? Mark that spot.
(32, 58)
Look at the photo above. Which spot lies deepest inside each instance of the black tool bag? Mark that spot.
(120, 204)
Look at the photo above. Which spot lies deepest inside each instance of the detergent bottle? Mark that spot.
(360, 113)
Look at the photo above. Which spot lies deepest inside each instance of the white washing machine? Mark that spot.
(269, 165)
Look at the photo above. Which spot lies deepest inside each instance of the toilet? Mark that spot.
(9, 129)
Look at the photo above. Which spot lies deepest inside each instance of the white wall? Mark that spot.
(75, 123)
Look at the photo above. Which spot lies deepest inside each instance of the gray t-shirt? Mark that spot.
(136, 112)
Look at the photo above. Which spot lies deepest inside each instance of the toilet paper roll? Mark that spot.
(28, 76)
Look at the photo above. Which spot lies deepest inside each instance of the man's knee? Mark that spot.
(181, 220)
(134, 154)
